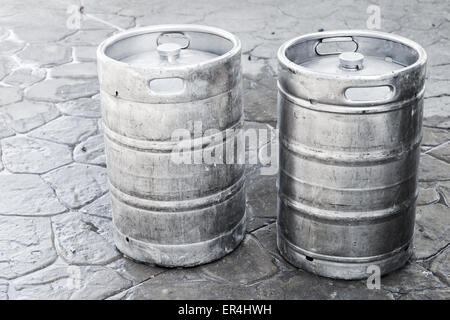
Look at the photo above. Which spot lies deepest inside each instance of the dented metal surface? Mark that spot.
(348, 164)
(167, 213)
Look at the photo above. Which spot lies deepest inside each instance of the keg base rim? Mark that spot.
(185, 255)
(343, 270)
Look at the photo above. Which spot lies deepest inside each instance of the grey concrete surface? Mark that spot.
(55, 231)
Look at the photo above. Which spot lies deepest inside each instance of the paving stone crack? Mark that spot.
(137, 284)
(434, 255)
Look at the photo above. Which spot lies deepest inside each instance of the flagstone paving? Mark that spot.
(55, 211)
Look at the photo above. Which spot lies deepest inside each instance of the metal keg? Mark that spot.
(156, 80)
(350, 120)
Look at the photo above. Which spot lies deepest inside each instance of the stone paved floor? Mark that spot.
(55, 228)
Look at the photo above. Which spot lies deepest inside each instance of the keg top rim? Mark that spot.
(165, 28)
(294, 67)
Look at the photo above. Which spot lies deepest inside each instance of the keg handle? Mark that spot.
(174, 37)
(325, 41)
(370, 94)
(167, 86)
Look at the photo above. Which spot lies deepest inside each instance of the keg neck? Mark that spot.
(169, 52)
(351, 61)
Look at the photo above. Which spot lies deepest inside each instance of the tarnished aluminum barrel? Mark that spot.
(154, 81)
(350, 128)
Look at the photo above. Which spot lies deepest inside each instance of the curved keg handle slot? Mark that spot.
(335, 45)
(167, 86)
(177, 37)
(373, 94)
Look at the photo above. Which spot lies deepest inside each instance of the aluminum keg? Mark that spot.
(156, 80)
(350, 120)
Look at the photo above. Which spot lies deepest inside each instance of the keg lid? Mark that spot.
(350, 53)
(168, 45)
(169, 63)
(170, 49)
(351, 67)
(169, 54)
(352, 63)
